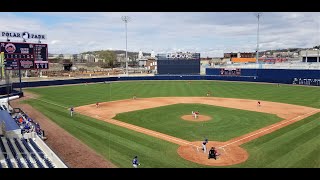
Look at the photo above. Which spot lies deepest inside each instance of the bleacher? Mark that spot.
(16, 155)
(19, 150)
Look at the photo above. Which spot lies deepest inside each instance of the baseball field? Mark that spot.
(158, 126)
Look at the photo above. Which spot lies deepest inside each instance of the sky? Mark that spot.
(210, 33)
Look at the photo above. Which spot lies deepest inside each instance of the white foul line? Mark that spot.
(266, 129)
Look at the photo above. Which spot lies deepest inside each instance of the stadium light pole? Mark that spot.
(126, 19)
(258, 15)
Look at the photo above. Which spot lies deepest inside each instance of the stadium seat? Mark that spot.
(26, 145)
(20, 165)
(48, 163)
(39, 164)
(9, 163)
(4, 107)
(30, 165)
(13, 151)
(3, 149)
(0, 165)
(38, 150)
(1, 108)
(19, 147)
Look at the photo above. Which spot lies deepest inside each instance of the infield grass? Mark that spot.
(226, 123)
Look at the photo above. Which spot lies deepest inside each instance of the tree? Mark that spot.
(108, 57)
(317, 47)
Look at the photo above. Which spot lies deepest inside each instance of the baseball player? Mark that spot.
(196, 114)
(204, 147)
(134, 96)
(213, 153)
(135, 162)
(259, 104)
(97, 104)
(71, 111)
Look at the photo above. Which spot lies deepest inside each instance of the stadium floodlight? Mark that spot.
(258, 15)
(126, 19)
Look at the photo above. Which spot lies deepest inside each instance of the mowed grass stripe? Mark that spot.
(291, 144)
(297, 153)
(286, 132)
(287, 146)
(311, 159)
(115, 143)
(81, 94)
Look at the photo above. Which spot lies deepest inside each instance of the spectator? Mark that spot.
(21, 120)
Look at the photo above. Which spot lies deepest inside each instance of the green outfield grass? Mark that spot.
(227, 123)
(299, 141)
(296, 146)
(81, 94)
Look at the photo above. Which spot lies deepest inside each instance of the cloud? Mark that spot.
(55, 41)
(210, 33)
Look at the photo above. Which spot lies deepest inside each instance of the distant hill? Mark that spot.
(285, 50)
(130, 54)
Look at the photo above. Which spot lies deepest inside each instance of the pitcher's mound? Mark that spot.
(199, 118)
(229, 155)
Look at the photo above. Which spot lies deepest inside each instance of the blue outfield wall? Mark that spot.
(137, 78)
(252, 75)
(285, 76)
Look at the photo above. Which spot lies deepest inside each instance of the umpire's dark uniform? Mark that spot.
(212, 154)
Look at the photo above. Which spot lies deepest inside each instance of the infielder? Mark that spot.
(259, 103)
(71, 111)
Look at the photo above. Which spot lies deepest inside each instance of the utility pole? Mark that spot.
(258, 15)
(126, 19)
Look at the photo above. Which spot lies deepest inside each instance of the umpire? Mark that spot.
(212, 153)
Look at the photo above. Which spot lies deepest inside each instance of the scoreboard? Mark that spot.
(24, 55)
